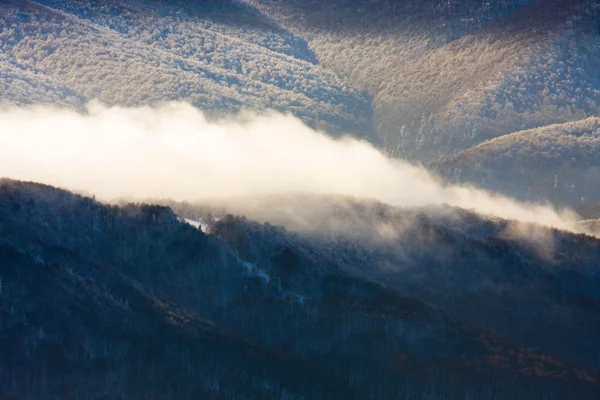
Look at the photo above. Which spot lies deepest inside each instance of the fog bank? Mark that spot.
(173, 151)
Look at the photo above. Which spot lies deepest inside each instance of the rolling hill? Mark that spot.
(556, 163)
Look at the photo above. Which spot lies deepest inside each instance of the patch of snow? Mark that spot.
(249, 266)
(263, 275)
(252, 270)
(197, 224)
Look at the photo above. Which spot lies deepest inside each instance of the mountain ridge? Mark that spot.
(555, 162)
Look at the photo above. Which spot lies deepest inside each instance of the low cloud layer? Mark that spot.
(174, 152)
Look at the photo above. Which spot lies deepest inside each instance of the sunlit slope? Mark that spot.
(447, 76)
(132, 53)
(20, 87)
(558, 163)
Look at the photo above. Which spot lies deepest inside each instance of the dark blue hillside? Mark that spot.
(102, 301)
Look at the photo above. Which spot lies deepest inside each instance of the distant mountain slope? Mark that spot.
(557, 163)
(443, 76)
(446, 76)
(113, 301)
(20, 87)
(120, 53)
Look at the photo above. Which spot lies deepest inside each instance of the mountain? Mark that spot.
(302, 296)
(219, 56)
(424, 80)
(101, 300)
(445, 256)
(391, 16)
(446, 76)
(556, 163)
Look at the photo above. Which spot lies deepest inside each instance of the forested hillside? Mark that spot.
(220, 58)
(130, 301)
(425, 80)
(557, 163)
(448, 75)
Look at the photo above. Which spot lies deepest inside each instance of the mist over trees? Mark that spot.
(132, 301)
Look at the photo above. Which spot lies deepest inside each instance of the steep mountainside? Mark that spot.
(219, 57)
(104, 300)
(446, 76)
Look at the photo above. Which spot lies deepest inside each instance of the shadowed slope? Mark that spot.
(112, 295)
